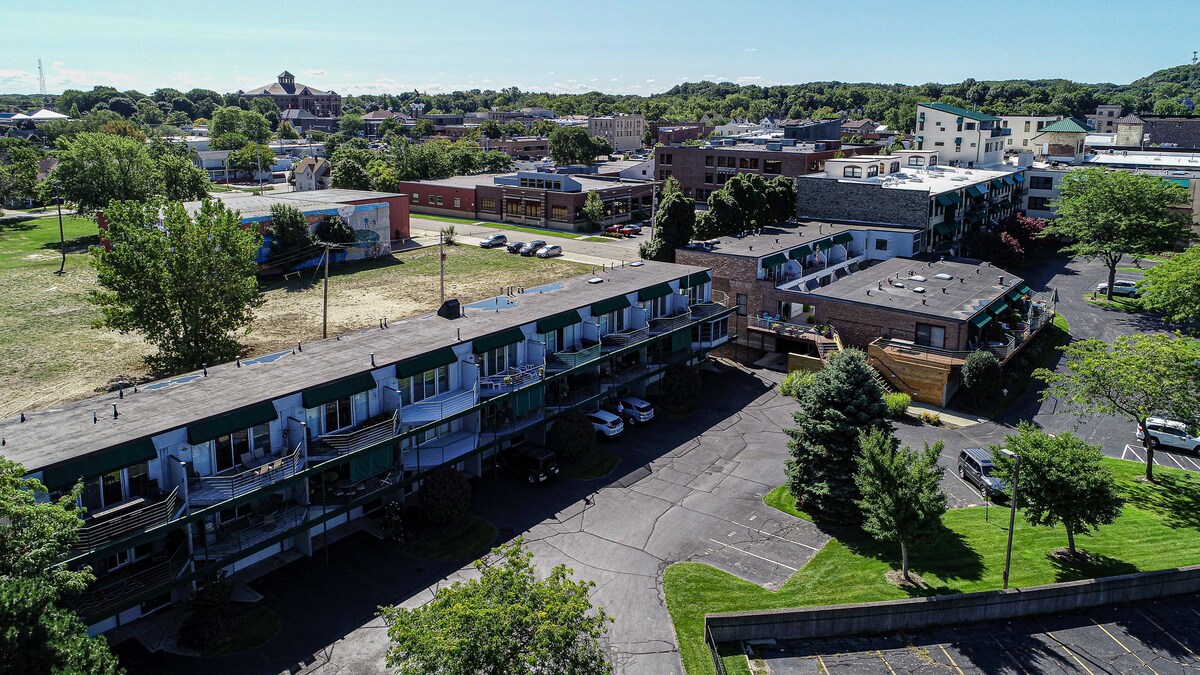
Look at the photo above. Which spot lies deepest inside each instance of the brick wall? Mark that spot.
(859, 324)
(830, 199)
(398, 214)
(421, 193)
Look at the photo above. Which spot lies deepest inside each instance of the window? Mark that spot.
(1039, 204)
(431, 199)
(894, 167)
(337, 415)
(439, 200)
(1041, 183)
(558, 212)
(708, 178)
(916, 161)
(931, 336)
(416, 197)
(665, 158)
(773, 167)
(970, 126)
(708, 160)
(488, 204)
(881, 244)
(852, 172)
(1025, 142)
(938, 144)
(872, 171)
(742, 302)
(499, 360)
(260, 439)
(921, 125)
(457, 202)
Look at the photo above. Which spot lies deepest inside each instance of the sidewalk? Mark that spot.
(949, 417)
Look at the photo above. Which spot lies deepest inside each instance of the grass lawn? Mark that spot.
(1118, 304)
(538, 231)
(1159, 528)
(255, 627)
(781, 499)
(464, 541)
(598, 239)
(597, 465)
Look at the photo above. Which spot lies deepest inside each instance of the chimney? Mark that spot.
(1001, 279)
(372, 359)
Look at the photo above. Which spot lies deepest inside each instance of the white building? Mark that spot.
(961, 137)
(623, 132)
(1022, 129)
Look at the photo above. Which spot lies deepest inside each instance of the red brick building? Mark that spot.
(519, 147)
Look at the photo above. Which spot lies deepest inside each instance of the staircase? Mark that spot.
(887, 386)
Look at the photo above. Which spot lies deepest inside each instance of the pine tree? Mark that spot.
(843, 401)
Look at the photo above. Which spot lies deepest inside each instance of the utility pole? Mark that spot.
(62, 237)
(441, 269)
(325, 303)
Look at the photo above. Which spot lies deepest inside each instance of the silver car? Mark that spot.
(549, 251)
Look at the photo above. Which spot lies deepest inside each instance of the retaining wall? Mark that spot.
(943, 610)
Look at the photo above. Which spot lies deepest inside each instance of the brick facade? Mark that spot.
(702, 170)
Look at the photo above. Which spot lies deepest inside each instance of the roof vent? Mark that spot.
(639, 263)
(595, 280)
(943, 276)
(919, 289)
(450, 309)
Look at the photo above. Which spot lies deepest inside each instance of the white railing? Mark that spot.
(439, 407)
(573, 359)
(213, 489)
(705, 308)
(515, 378)
(349, 441)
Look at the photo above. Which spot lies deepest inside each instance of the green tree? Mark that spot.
(334, 230)
(781, 198)
(506, 621)
(351, 175)
(674, 226)
(18, 170)
(1062, 481)
(706, 226)
(186, 284)
(268, 108)
(843, 401)
(902, 499)
(981, 376)
(40, 636)
(1110, 214)
(681, 385)
(491, 129)
(1136, 377)
(352, 125)
(1173, 287)
(728, 215)
(445, 496)
(572, 436)
(251, 159)
(572, 145)
(593, 210)
(287, 131)
(289, 231)
(182, 180)
(670, 187)
(542, 128)
(231, 120)
(422, 128)
(95, 168)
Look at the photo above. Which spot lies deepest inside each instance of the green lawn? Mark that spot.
(464, 541)
(1159, 528)
(1118, 304)
(597, 465)
(781, 499)
(35, 243)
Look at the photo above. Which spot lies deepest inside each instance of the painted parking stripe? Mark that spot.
(1069, 652)
(1166, 632)
(755, 529)
(1124, 451)
(1008, 654)
(885, 661)
(1192, 462)
(773, 562)
(1127, 649)
(1172, 458)
(951, 658)
(1134, 453)
(821, 662)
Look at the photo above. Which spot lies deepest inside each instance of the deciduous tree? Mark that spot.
(1062, 481)
(182, 181)
(572, 145)
(1136, 377)
(445, 496)
(981, 376)
(506, 621)
(593, 210)
(572, 436)
(95, 168)
(251, 159)
(1173, 287)
(289, 232)
(674, 226)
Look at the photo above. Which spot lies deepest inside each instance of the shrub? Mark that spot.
(445, 496)
(897, 405)
(680, 385)
(795, 382)
(572, 436)
(932, 419)
(335, 230)
(982, 376)
(448, 235)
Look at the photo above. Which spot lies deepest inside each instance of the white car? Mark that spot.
(606, 424)
(633, 410)
(549, 251)
(1120, 287)
(1170, 433)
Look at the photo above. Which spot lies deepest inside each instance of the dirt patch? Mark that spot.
(896, 578)
(1064, 555)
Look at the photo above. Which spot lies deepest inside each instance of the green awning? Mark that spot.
(981, 319)
(1019, 177)
(1008, 180)
(561, 320)
(800, 253)
(943, 229)
(823, 245)
(843, 238)
(948, 198)
(958, 140)
(774, 260)
(238, 420)
(1012, 295)
(695, 279)
(343, 388)
(997, 308)
(96, 464)
(680, 340)
(609, 305)
(506, 337)
(655, 291)
(371, 463)
(979, 191)
(997, 184)
(426, 362)
(1024, 288)
(974, 217)
(528, 399)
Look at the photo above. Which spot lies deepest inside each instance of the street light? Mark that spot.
(62, 237)
(1012, 513)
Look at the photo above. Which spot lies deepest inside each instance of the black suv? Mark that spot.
(975, 467)
(535, 463)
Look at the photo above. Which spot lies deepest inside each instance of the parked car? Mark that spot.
(606, 424)
(549, 251)
(631, 229)
(1169, 433)
(532, 247)
(535, 463)
(493, 240)
(632, 410)
(975, 467)
(1124, 287)
(515, 246)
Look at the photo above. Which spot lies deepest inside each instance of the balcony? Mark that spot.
(348, 441)
(810, 277)
(1001, 131)
(135, 515)
(625, 338)
(207, 490)
(246, 531)
(439, 407)
(703, 309)
(510, 380)
(129, 580)
(577, 356)
(511, 425)
(440, 450)
(666, 324)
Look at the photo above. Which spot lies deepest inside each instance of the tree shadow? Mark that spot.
(22, 225)
(1172, 497)
(944, 553)
(79, 244)
(1088, 566)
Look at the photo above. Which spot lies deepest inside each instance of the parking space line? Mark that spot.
(1134, 453)
(960, 670)
(1008, 654)
(1164, 631)
(811, 548)
(773, 562)
(1192, 462)
(821, 662)
(1124, 451)
(885, 661)
(1127, 649)
(1172, 458)
(1069, 652)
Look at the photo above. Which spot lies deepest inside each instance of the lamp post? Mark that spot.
(62, 237)
(1012, 513)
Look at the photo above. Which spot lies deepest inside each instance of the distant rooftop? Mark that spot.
(934, 180)
(955, 110)
(783, 237)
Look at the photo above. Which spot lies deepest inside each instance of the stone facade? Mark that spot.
(827, 199)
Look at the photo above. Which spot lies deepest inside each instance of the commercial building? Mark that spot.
(289, 95)
(240, 462)
(1168, 131)
(913, 189)
(812, 130)
(703, 169)
(1022, 129)
(305, 122)
(553, 200)
(623, 132)
(961, 137)
(1104, 120)
(666, 133)
(519, 147)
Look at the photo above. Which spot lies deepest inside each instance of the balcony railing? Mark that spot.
(121, 584)
(349, 441)
(573, 359)
(666, 324)
(514, 379)
(513, 424)
(246, 531)
(132, 517)
(704, 309)
(625, 338)
(214, 489)
(439, 407)
(573, 397)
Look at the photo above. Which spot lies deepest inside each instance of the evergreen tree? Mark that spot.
(843, 401)
(593, 210)
(674, 225)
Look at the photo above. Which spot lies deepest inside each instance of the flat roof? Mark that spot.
(971, 288)
(1165, 160)
(49, 437)
(256, 206)
(934, 180)
(777, 238)
(805, 146)
(337, 195)
(586, 181)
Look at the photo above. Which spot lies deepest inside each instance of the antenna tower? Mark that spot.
(42, 82)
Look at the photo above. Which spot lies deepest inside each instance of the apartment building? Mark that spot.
(623, 132)
(1104, 120)
(1022, 129)
(239, 462)
(703, 169)
(914, 189)
(961, 137)
(518, 147)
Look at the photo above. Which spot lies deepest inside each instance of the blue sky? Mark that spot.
(617, 46)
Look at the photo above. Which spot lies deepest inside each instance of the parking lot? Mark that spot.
(1160, 637)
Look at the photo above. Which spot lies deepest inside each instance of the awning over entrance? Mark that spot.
(943, 229)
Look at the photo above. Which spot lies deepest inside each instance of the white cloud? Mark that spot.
(315, 72)
(593, 79)
(650, 81)
(15, 73)
(749, 79)
(750, 49)
(57, 64)
(615, 79)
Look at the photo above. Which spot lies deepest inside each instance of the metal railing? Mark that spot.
(122, 584)
(625, 338)
(921, 351)
(231, 539)
(516, 378)
(706, 308)
(666, 324)
(573, 359)
(96, 534)
(440, 406)
(213, 489)
(349, 441)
